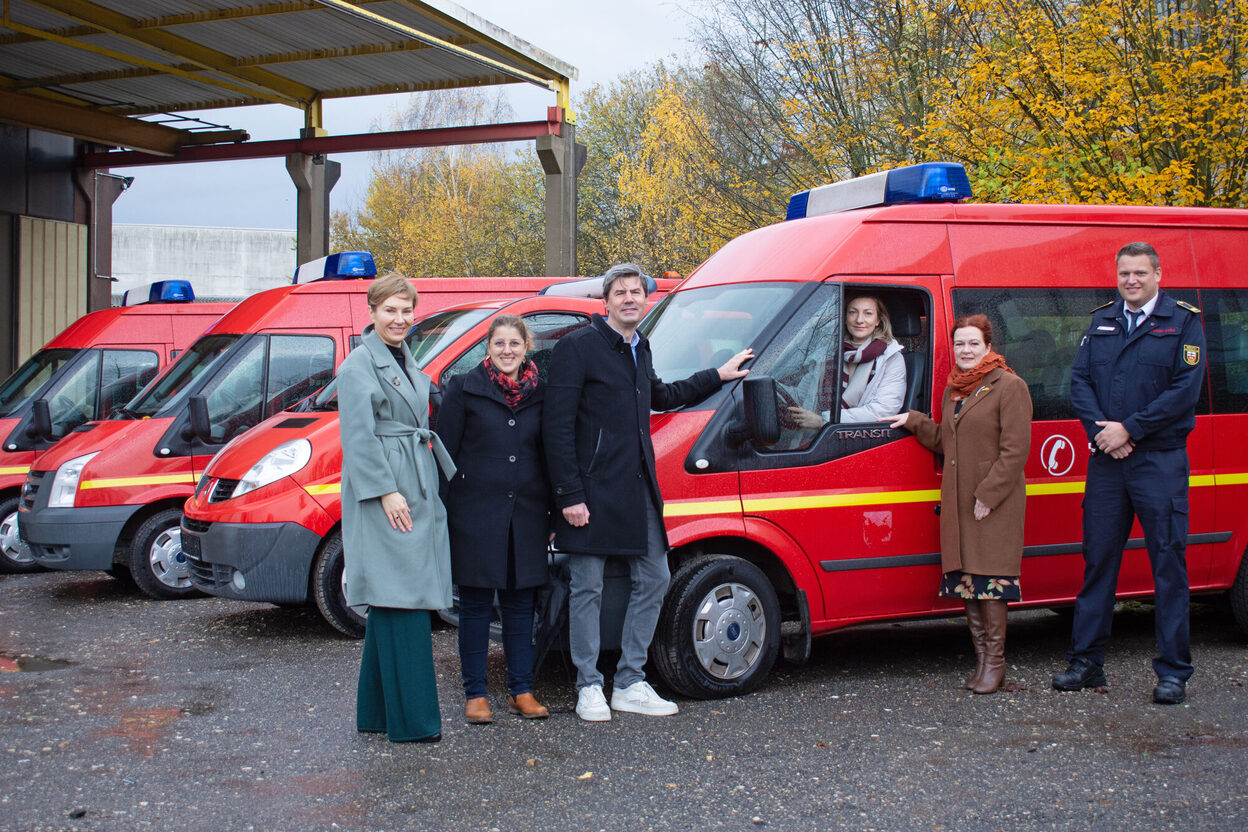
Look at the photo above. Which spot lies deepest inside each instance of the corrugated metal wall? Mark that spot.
(51, 280)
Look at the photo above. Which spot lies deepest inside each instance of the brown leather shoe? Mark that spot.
(477, 711)
(993, 676)
(975, 622)
(526, 706)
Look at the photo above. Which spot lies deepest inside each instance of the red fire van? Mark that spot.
(96, 364)
(263, 524)
(109, 496)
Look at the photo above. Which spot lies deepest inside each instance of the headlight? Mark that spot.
(65, 483)
(282, 461)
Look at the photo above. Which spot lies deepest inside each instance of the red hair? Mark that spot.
(980, 322)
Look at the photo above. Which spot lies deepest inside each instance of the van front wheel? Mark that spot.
(329, 592)
(157, 565)
(1239, 594)
(15, 555)
(719, 632)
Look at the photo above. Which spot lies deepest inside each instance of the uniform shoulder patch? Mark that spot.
(1188, 306)
(1103, 305)
(1191, 355)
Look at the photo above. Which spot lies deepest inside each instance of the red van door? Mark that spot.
(857, 497)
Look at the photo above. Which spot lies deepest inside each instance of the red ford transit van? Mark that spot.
(96, 364)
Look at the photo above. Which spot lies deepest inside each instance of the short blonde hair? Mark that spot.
(388, 286)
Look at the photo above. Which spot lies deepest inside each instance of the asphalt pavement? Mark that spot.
(122, 713)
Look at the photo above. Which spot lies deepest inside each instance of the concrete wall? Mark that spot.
(219, 262)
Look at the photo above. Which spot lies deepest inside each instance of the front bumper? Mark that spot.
(83, 537)
(274, 559)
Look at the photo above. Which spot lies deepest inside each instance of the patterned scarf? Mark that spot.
(965, 382)
(514, 390)
(855, 356)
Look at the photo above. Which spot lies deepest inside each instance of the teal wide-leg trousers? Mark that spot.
(398, 691)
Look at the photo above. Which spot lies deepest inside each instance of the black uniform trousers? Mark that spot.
(1151, 485)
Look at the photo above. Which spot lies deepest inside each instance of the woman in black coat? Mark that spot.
(497, 511)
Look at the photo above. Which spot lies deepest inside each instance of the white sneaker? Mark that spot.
(591, 705)
(640, 698)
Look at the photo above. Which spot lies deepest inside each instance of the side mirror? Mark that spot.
(200, 426)
(762, 414)
(40, 420)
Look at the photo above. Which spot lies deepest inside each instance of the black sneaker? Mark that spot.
(1081, 674)
(1170, 690)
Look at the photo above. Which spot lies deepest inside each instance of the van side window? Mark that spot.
(123, 373)
(545, 327)
(299, 365)
(807, 360)
(1038, 331)
(1226, 331)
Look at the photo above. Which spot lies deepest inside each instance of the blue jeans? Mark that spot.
(516, 607)
(649, 576)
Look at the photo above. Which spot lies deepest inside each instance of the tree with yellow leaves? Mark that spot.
(1107, 101)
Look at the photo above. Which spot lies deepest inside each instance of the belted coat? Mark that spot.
(985, 448)
(499, 487)
(387, 446)
(596, 428)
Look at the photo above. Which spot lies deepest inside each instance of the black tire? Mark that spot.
(327, 588)
(157, 565)
(15, 557)
(1239, 595)
(722, 649)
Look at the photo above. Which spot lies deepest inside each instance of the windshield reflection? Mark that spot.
(189, 366)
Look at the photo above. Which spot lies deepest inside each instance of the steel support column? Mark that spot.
(314, 177)
(562, 159)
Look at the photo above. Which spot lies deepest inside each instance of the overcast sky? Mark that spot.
(601, 38)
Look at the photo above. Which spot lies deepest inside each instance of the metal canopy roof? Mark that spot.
(79, 66)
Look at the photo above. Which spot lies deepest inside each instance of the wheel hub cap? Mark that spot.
(14, 549)
(729, 631)
(168, 562)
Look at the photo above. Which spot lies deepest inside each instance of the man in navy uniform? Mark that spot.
(1134, 384)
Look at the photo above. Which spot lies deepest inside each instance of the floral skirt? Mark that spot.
(982, 587)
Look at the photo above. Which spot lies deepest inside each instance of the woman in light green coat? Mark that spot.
(394, 535)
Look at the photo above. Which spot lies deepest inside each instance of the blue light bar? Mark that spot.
(162, 291)
(928, 182)
(342, 265)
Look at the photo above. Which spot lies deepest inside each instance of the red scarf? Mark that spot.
(514, 390)
(965, 382)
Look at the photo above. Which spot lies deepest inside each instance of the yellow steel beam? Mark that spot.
(475, 36)
(266, 84)
(65, 32)
(240, 13)
(447, 46)
(169, 69)
(49, 95)
(66, 119)
(314, 119)
(340, 52)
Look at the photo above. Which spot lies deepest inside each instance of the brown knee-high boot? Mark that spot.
(975, 622)
(994, 647)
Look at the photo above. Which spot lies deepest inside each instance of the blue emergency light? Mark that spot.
(162, 291)
(342, 265)
(928, 182)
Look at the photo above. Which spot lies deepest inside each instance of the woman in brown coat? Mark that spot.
(985, 438)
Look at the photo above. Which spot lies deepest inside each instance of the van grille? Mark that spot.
(222, 490)
(33, 481)
(193, 525)
(208, 575)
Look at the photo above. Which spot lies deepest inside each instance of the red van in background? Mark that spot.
(263, 524)
(96, 364)
(109, 496)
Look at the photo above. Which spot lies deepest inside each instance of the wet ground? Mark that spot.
(120, 713)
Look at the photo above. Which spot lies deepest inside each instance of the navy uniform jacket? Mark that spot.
(1148, 380)
(596, 430)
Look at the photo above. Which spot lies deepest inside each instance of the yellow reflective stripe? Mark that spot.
(1041, 488)
(701, 508)
(125, 482)
(867, 498)
(16, 469)
(325, 488)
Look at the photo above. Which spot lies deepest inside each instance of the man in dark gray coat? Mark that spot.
(596, 427)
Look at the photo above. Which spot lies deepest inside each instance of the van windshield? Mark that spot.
(430, 336)
(702, 328)
(203, 354)
(28, 380)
